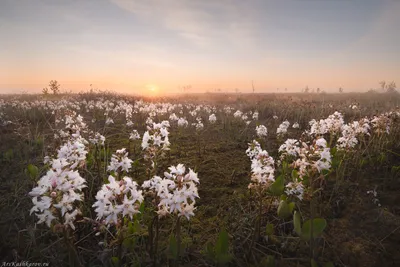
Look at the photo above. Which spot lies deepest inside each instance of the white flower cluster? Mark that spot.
(262, 166)
(120, 161)
(57, 192)
(381, 124)
(351, 132)
(134, 135)
(332, 125)
(295, 188)
(117, 199)
(109, 121)
(156, 136)
(238, 114)
(98, 139)
(290, 147)
(228, 110)
(253, 150)
(282, 129)
(212, 118)
(307, 159)
(261, 131)
(199, 124)
(255, 115)
(182, 122)
(173, 117)
(72, 128)
(177, 192)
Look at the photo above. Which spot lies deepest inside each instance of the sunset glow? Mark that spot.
(121, 45)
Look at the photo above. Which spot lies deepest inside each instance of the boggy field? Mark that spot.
(200, 180)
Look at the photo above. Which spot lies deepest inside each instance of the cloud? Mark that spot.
(202, 23)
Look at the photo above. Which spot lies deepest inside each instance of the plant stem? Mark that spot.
(73, 254)
(178, 239)
(312, 217)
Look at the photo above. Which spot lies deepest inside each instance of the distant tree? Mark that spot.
(306, 89)
(45, 91)
(186, 88)
(318, 90)
(391, 87)
(285, 89)
(54, 86)
(388, 87)
(252, 85)
(383, 85)
(340, 90)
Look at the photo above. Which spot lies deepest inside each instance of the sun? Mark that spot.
(152, 89)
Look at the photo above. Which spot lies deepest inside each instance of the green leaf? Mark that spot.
(319, 225)
(284, 210)
(333, 151)
(269, 229)
(270, 261)
(291, 206)
(382, 157)
(277, 187)
(314, 263)
(136, 226)
(33, 171)
(285, 166)
(329, 264)
(297, 223)
(142, 207)
(115, 261)
(131, 230)
(210, 251)
(129, 243)
(222, 248)
(325, 172)
(173, 248)
(295, 174)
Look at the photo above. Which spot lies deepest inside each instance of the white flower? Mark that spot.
(238, 114)
(177, 192)
(261, 131)
(117, 200)
(255, 115)
(321, 142)
(295, 189)
(109, 121)
(212, 118)
(282, 129)
(127, 207)
(134, 135)
(290, 147)
(182, 122)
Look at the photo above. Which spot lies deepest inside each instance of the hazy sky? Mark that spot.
(131, 45)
